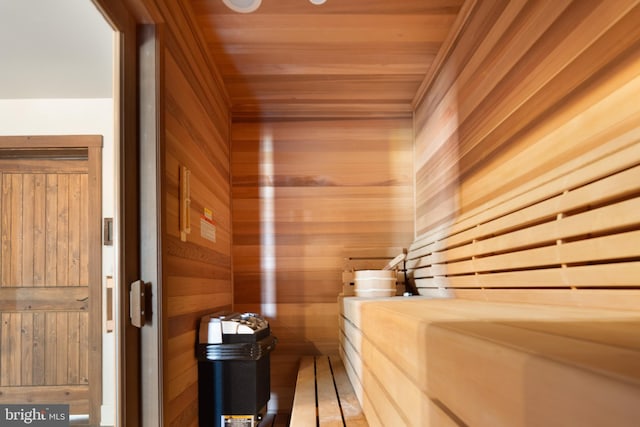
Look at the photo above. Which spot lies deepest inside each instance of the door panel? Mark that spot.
(47, 321)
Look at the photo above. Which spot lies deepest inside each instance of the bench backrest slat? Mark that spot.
(578, 228)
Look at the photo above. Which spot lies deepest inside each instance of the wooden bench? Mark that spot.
(529, 311)
(324, 396)
(417, 361)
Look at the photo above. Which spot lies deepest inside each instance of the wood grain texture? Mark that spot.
(304, 409)
(51, 305)
(351, 411)
(527, 149)
(421, 361)
(469, 131)
(529, 94)
(291, 56)
(196, 273)
(304, 193)
(324, 395)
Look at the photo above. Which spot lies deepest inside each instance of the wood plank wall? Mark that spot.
(526, 88)
(306, 192)
(505, 106)
(196, 273)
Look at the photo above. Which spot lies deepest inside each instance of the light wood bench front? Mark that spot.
(324, 396)
(449, 362)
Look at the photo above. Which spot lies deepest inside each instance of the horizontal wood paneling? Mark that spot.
(548, 82)
(527, 151)
(304, 192)
(74, 396)
(38, 298)
(527, 155)
(352, 57)
(196, 273)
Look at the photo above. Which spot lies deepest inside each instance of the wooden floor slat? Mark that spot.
(324, 396)
(303, 412)
(351, 412)
(329, 412)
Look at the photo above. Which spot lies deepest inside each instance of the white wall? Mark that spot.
(76, 117)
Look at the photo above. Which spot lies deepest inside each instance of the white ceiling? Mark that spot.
(54, 49)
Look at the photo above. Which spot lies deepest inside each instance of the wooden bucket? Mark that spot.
(375, 283)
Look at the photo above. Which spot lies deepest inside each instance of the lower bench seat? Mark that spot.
(425, 362)
(324, 396)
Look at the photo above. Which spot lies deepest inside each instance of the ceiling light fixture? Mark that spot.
(242, 6)
(248, 6)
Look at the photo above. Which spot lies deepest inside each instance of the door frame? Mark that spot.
(152, 208)
(93, 144)
(128, 396)
(137, 98)
(126, 230)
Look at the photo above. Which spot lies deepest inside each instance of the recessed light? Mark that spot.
(242, 6)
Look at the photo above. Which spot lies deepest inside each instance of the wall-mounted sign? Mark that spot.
(208, 226)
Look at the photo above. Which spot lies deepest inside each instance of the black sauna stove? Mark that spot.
(233, 353)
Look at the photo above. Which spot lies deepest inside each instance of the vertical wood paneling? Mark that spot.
(44, 230)
(45, 227)
(39, 227)
(304, 192)
(51, 353)
(16, 230)
(62, 347)
(75, 213)
(27, 348)
(27, 230)
(39, 343)
(85, 234)
(84, 367)
(6, 230)
(62, 246)
(11, 362)
(2, 228)
(73, 355)
(51, 231)
(44, 348)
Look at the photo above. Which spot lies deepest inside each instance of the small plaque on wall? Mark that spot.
(207, 229)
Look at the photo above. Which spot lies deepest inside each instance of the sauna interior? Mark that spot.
(497, 142)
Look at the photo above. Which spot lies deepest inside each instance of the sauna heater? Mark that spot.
(233, 353)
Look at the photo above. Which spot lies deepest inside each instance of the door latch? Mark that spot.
(137, 303)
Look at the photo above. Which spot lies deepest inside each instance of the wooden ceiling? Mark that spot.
(343, 57)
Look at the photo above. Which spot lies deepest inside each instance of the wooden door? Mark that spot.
(50, 290)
